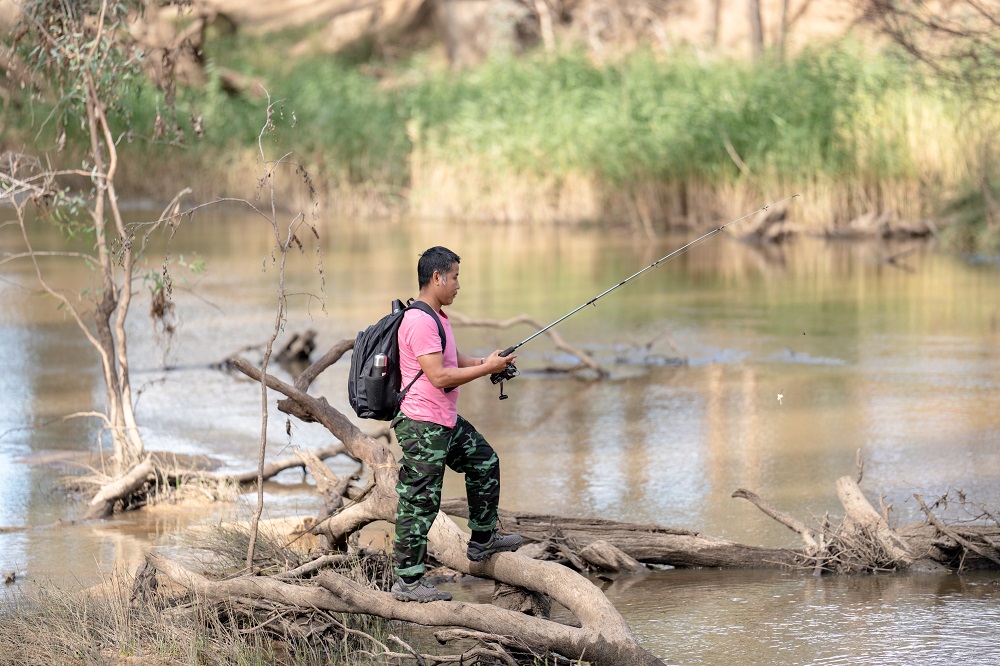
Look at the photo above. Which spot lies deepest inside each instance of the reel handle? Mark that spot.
(507, 373)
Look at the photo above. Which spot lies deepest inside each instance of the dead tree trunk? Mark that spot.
(756, 29)
(103, 504)
(340, 594)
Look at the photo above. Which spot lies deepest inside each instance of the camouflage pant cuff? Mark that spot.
(481, 527)
(415, 570)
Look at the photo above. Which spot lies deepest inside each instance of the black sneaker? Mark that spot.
(498, 543)
(418, 590)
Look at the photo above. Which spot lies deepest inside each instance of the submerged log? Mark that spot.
(646, 542)
(298, 349)
(862, 542)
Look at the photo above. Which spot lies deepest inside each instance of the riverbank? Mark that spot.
(648, 141)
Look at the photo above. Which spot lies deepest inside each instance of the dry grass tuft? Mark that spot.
(123, 622)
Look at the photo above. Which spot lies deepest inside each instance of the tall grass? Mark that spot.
(851, 132)
(661, 139)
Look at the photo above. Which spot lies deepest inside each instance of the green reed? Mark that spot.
(854, 129)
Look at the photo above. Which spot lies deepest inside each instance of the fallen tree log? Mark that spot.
(988, 550)
(298, 349)
(103, 503)
(603, 637)
(862, 523)
(862, 542)
(648, 543)
(603, 555)
(338, 593)
(158, 477)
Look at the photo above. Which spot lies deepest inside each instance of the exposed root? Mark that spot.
(307, 627)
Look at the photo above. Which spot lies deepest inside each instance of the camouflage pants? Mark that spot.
(427, 448)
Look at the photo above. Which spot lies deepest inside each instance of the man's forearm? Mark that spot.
(469, 361)
(449, 377)
(469, 368)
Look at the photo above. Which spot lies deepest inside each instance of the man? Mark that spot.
(432, 434)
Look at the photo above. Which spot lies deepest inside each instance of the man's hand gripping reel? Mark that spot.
(507, 373)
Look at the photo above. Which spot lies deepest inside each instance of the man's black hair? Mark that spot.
(438, 259)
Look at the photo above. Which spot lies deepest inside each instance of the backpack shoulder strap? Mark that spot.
(423, 307)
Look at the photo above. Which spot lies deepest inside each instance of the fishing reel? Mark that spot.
(509, 372)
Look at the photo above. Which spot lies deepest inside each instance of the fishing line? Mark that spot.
(510, 371)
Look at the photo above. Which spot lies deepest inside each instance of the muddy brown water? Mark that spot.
(899, 361)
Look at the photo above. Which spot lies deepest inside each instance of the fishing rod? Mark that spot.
(510, 371)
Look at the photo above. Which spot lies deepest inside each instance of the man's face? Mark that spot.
(447, 285)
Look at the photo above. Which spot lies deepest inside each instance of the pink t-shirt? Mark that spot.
(418, 335)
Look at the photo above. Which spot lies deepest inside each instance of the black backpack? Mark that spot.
(375, 393)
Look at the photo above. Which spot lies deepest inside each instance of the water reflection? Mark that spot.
(903, 365)
(762, 618)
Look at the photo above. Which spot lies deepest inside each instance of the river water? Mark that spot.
(898, 359)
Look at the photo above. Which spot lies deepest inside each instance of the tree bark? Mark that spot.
(116, 299)
(863, 520)
(783, 30)
(339, 594)
(716, 22)
(645, 542)
(545, 24)
(603, 555)
(756, 30)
